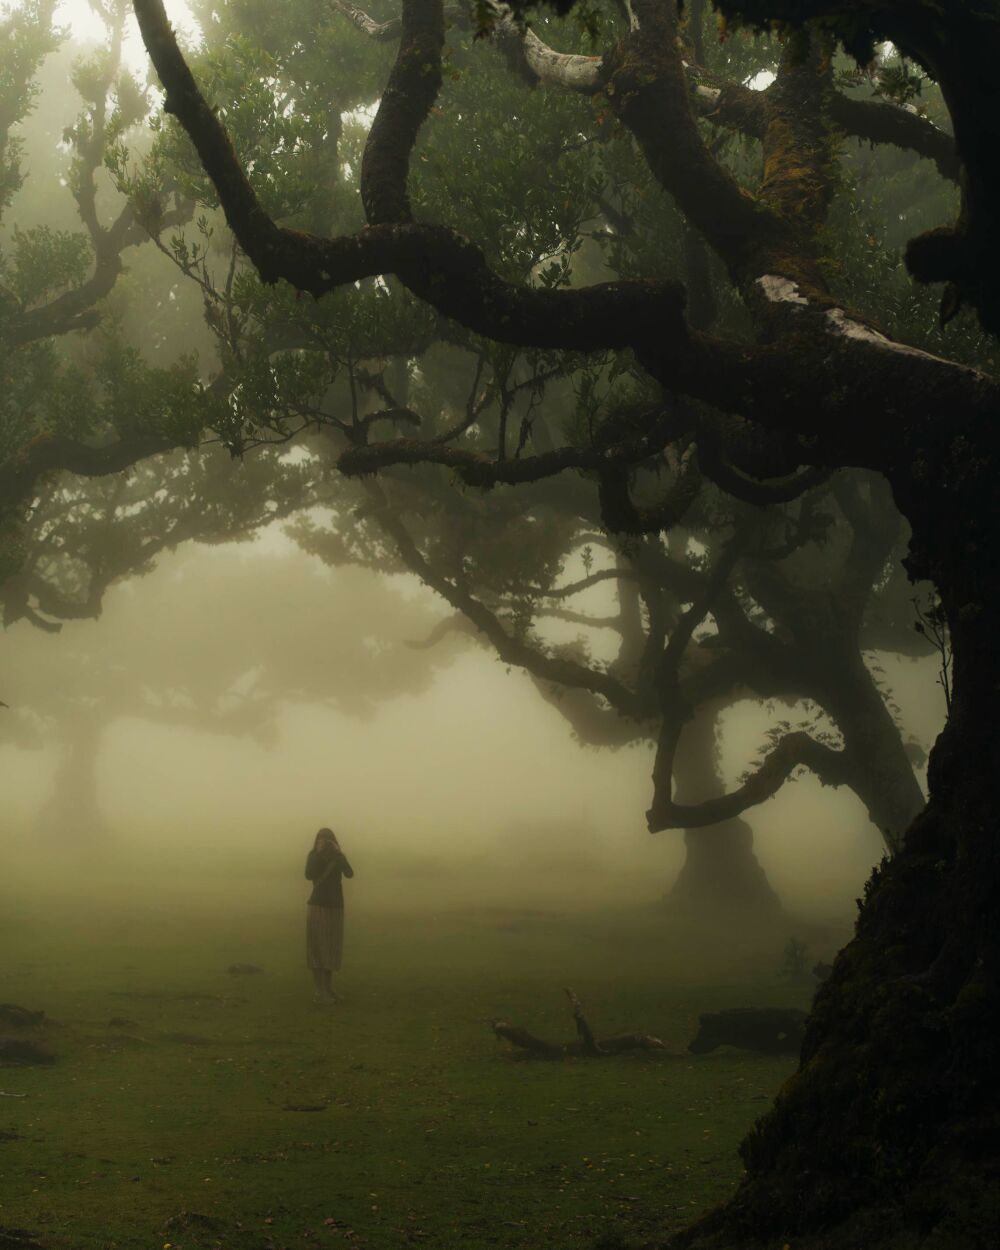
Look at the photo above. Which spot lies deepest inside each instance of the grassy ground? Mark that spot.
(177, 1124)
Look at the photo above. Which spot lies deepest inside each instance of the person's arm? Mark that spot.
(332, 861)
(314, 866)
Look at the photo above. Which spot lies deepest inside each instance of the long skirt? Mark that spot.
(324, 937)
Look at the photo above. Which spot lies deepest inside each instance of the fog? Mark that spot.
(449, 779)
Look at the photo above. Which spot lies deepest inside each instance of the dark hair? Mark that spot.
(325, 835)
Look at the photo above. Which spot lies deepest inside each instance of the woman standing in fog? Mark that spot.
(326, 867)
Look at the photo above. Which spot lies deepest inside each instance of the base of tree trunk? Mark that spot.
(72, 814)
(888, 1136)
(721, 873)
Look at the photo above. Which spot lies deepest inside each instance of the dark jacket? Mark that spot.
(326, 869)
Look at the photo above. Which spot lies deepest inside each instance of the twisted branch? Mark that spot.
(435, 262)
(793, 751)
(55, 453)
(511, 650)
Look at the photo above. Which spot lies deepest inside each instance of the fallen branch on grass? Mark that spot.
(586, 1044)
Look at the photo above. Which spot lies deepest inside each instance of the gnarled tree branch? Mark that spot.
(54, 453)
(436, 263)
(793, 751)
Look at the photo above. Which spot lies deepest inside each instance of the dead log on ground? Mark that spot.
(586, 1044)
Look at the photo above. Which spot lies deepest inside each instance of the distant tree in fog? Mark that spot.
(74, 395)
(81, 536)
(808, 590)
(219, 647)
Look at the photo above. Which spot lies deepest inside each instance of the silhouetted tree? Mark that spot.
(219, 649)
(72, 398)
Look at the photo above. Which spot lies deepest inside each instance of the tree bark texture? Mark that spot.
(889, 1133)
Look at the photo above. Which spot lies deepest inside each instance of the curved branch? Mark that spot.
(435, 262)
(579, 618)
(796, 386)
(537, 63)
(529, 56)
(793, 751)
(54, 603)
(511, 650)
(878, 121)
(648, 86)
(55, 453)
(759, 493)
(405, 104)
(593, 579)
(457, 623)
(623, 516)
(395, 416)
(731, 106)
(477, 469)
(75, 309)
(818, 384)
(380, 32)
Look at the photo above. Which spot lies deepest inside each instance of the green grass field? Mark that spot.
(177, 1125)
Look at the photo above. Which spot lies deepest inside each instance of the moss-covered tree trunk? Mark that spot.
(889, 1133)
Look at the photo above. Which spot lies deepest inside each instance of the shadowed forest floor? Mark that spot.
(183, 1123)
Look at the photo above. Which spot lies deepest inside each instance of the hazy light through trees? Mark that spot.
(471, 768)
(86, 27)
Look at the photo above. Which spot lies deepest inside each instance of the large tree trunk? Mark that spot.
(72, 813)
(889, 1133)
(720, 871)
